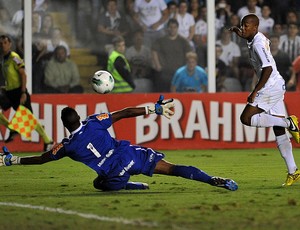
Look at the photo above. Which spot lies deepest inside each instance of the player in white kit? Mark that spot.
(265, 107)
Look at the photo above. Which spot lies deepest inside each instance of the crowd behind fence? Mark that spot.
(161, 38)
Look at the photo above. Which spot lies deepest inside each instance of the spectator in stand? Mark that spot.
(231, 51)
(277, 29)
(151, 15)
(36, 23)
(290, 41)
(186, 22)
(39, 6)
(201, 25)
(266, 22)
(111, 24)
(284, 64)
(201, 50)
(194, 9)
(173, 9)
(47, 26)
(223, 11)
(250, 8)
(6, 25)
(168, 53)
(190, 77)
(57, 40)
(61, 73)
(132, 24)
(139, 58)
(292, 17)
(40, 58)
(119, 67)
(224, 80)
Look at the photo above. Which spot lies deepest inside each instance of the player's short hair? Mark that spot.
(69, 117)
(252, 18)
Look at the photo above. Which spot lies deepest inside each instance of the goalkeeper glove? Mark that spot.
(7, 159)
(161, 107)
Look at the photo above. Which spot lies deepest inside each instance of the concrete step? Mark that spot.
(84, 60)
(80, 51)
(88, 71)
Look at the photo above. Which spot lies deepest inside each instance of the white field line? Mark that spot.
(83, 215)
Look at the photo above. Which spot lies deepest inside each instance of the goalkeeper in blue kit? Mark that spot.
(113, 160)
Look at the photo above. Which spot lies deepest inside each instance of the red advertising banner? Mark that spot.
(201, 121)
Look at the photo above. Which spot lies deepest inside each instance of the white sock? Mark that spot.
(266, 120)
(285, 148)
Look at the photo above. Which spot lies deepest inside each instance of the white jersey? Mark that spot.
(150, 12)
(260, 57)
(185, 22)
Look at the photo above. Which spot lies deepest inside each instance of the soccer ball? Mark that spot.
(102, 82)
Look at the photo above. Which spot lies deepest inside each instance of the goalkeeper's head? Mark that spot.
(70, 118)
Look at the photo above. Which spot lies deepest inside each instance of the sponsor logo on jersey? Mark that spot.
(151, 157)
(126, 168)
(57, 148)
(106, 156)
(102, 116)
(266, 55)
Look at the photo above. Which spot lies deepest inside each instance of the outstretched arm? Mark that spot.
(128, 112)
(161, 107)
(36, 160)
(8, 159)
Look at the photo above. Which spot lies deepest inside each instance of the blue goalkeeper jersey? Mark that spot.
(92, 144)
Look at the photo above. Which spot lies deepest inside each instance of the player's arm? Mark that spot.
(161, 107)
(127, 113)
(36, 160)
(236, 30)
(8, 159)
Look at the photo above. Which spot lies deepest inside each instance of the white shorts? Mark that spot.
(271, 99)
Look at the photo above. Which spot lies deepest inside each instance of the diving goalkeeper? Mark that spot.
(113, 160)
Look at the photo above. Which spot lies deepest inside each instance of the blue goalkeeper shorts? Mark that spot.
(133, 160)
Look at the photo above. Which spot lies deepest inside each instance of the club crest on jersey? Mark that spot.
(102, 116)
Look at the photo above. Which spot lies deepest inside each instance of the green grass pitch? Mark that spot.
(60, 195)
